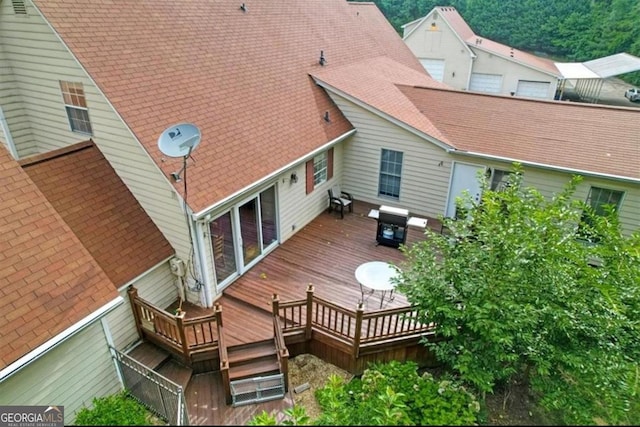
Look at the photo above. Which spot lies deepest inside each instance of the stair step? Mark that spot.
(255, 368)
(149, 355)
(176, 372)
(246, 352)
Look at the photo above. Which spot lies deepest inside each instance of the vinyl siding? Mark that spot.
(425, 168)
(38, 61)
(71, 375)
(488, 63)
(158, 287)
(442, 44)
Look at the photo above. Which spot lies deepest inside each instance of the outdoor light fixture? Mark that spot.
(294, 177)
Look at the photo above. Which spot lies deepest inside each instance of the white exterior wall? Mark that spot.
(425, 169)
(488, 63)
(158, 286)
(38, 120)
(71, 375)
(442, 43)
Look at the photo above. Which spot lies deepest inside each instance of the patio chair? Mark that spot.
(339, 199)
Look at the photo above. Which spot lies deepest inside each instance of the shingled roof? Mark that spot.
(48, 280)
(85, 190)
(241, 76)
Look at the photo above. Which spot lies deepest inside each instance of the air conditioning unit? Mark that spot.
(177, 267)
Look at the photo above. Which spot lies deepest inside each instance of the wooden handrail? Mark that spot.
(281, 350)
(223, 356)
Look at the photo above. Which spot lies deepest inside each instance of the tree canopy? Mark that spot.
(513, 290)
(568, 30)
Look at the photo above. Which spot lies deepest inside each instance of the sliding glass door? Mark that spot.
(249, 229)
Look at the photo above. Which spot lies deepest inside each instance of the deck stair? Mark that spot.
(176, 372)
(254, 373)
(149, 355)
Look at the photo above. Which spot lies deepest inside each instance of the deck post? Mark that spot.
(183, 336)
(307, 331)
(133, 294)
(358, 332)
(218, 313)
(275, 305)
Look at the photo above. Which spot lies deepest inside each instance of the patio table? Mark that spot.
(377, 276)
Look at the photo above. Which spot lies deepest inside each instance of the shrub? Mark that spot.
(117, 409)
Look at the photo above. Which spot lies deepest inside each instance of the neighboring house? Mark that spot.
(453, 54)
(291, 97)
(52, 309)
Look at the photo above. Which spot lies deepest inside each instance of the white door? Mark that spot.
(489, 83)
(435, 68)
(533, 89)
(463, 177)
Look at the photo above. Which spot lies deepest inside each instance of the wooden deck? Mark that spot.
(325, 253)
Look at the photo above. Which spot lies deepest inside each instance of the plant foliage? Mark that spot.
(116, 410)
(512, 292)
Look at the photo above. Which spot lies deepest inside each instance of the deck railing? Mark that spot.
(353, 327)
(182, 336)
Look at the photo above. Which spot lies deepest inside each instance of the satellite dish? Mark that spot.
(179, 140)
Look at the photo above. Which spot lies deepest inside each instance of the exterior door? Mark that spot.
(463, 177)
(249, 229)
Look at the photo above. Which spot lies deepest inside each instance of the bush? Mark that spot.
(394, 393)
(116, 410)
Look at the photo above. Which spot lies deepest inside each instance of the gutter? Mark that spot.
(63, 336)
(203, 212)
(581, 172)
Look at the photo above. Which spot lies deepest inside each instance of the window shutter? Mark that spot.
(309, 177)
(330, 163)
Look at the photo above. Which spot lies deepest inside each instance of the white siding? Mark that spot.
(71, 375)
(425, 168)
(441, 42)
(158, 286)
(38, 61)
(511, 72)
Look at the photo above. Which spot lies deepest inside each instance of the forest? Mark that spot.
(564, 30)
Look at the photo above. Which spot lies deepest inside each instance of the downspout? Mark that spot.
(7, 134)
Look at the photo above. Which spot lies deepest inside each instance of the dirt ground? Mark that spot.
(512, 407)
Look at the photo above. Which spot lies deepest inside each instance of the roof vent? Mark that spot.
(243, 7)
(19, 7)
(322, 60)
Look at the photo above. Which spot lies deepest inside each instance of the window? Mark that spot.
(499, 179)
(320, 169)
(76, 106)
(390, 174)
(598, 199)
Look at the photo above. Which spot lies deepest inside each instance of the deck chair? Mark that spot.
(339, 199)
(218, 249)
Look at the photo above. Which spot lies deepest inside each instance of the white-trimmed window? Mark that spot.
(499, 179)
(320, 169)
(599, 199)
(390, 174)
(75, 104)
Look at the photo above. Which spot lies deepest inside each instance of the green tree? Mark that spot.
(512, 293)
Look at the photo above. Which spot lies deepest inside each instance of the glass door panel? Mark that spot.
(249, 231)
(222, 240)
(268, 217)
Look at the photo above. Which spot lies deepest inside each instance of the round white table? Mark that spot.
(377, 276)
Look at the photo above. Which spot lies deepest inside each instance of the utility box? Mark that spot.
(177, 267)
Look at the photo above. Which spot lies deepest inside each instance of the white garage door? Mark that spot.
(533, 89)
(435, 68)
(490, 83)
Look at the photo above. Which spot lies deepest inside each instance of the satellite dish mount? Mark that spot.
(179, 141)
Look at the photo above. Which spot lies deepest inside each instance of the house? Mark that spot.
(452, 53)
(289, 99)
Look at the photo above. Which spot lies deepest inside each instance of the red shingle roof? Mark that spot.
(48, 280)
(577, 136)
(241, 77)
(85, 190)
